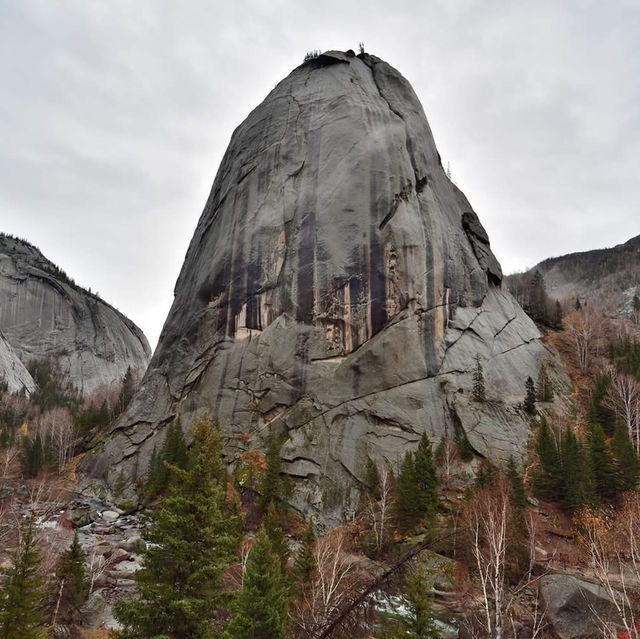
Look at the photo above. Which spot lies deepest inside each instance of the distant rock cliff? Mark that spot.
(43, 314)
(12, 371)
(609, 277)
(336, 291)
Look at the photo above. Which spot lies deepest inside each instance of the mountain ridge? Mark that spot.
(45, 314)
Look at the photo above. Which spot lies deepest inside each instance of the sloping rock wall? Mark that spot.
(336, 291)
(12, 370)
(44, 315)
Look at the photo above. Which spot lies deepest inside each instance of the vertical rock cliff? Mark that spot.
(336, 291)
(43, 314)
(13, 373)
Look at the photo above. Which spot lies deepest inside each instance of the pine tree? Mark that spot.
(20, 614)
(599, 412)
(604, 471)
(172, 453)
(460, 438)
(427, 476)
(273, 527)
(486, 475)
(418, 622)
(154, 478)
(544, 389)
(530, 397)
(626, 459)
(274, 488)
(408, 503)
(192, 536)
(33, 455)
(547, 477)
(372, 479)
(518, 493)
(557, 315)
(73, 584)
(538, 302)
(305, 564)
(260, 609)
(578, 488)
(174, 450)
(127, 390)
(478, 393)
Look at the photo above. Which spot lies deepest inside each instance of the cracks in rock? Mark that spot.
(347, 470)
(513, 348)
(302, 458)
(322, 413)
(255, 396)
(396, 435)
(403, 196)
(422, 181)
(505, 326)
(468, 328)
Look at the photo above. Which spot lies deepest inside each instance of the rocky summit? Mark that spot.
(45, 315)
(336, 292)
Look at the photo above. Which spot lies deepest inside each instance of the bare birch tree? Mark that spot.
(378, 513)
(57, 426)
(585, 327)
(486, 519)
(624, 398)
(613, 549)
(329, 589)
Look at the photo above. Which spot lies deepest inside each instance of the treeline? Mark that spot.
(32, 604)
(530, 291)
(591, 465)
(47, 426)
(584, 470)
(625, 355)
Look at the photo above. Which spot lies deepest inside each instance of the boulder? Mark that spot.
(109, 516)
(118, 555)
(577, 609)
(93, 610)
(132, 544)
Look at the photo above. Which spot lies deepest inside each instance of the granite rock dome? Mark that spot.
(336, 292)
(45, 315)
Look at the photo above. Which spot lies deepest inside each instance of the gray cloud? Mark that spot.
(116, 114)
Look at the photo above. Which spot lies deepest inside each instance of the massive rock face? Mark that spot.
(336, 291)
(43, 314)
(12, 371)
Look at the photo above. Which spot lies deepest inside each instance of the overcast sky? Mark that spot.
(115, 114)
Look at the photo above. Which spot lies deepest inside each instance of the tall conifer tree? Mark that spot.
(427, 475)
(626, 458)
(73, 584)
(408, 503)
(547, 477)
(21, 616)
(273, 528)
(192, 536)
(305, 564)
(260, 609)
(530, 396)
(604, 471)
(479, 393)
